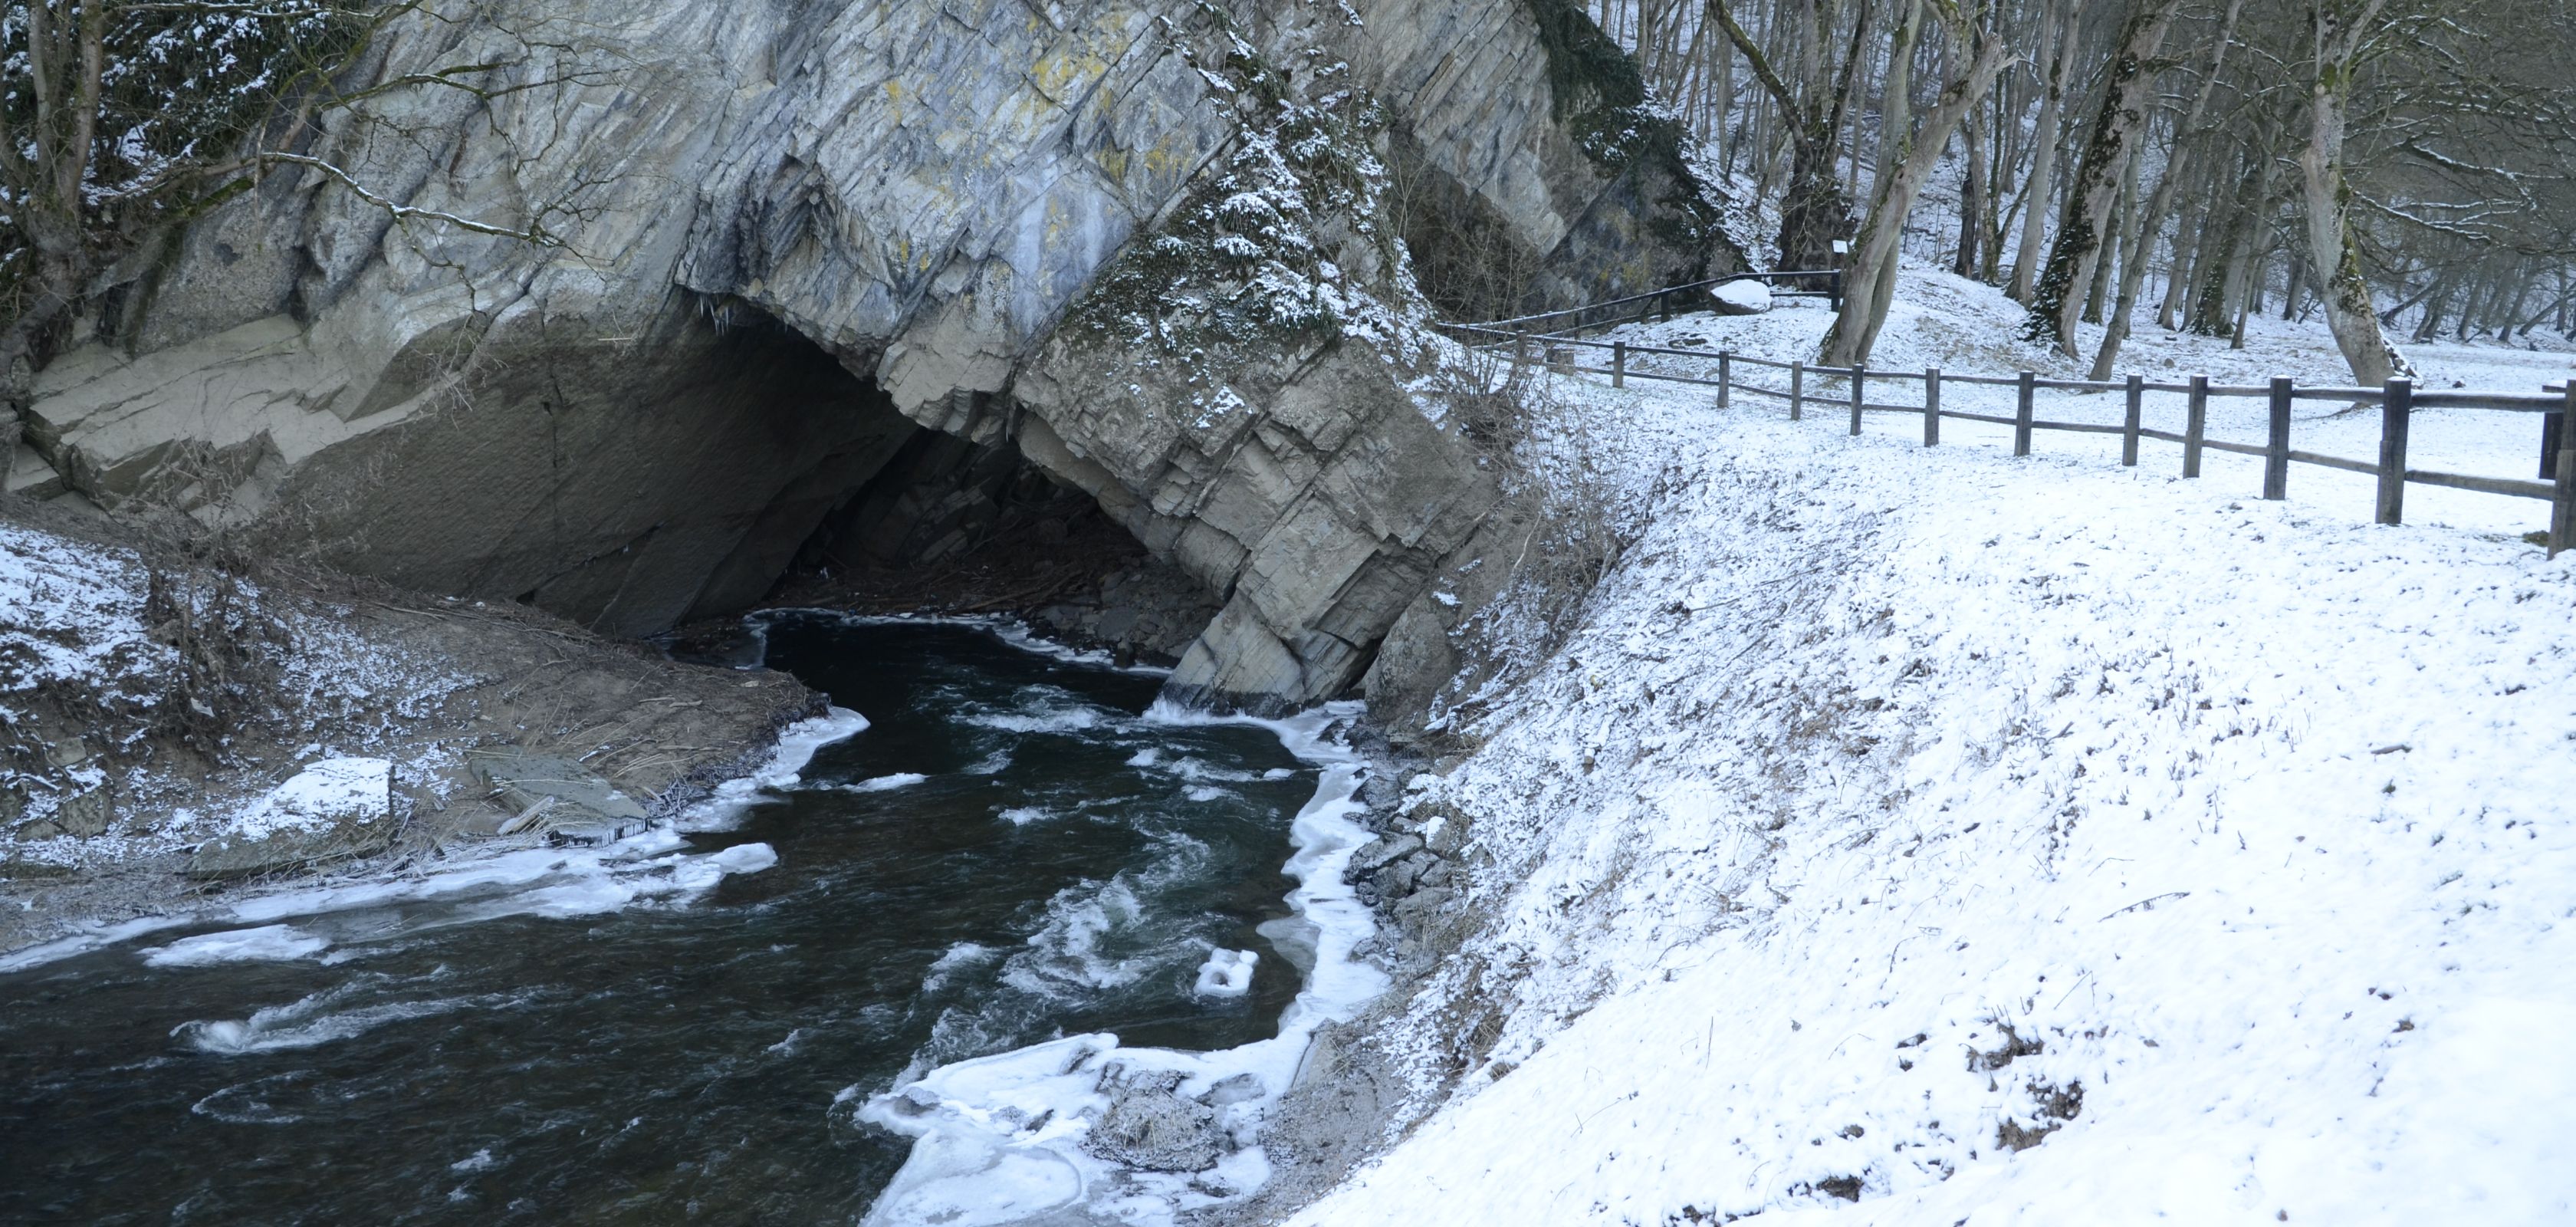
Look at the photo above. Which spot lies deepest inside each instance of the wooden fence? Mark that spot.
(2397, 401)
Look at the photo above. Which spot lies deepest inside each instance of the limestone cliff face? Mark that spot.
(779, 239)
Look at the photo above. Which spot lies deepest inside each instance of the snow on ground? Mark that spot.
(1967, 328)
(1926, 836)
(73, 638)
(73, 613)
(322, 796)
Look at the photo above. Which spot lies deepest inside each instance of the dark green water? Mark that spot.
(494, 1056)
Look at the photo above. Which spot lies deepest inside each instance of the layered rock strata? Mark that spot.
(763, 248)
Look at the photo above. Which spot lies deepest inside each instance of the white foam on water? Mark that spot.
(1039, 717)
(309, 1022)
(796, 747)
(1227, 973)
(700, 872)
(999, 1139)
(1065, 957)
(480, 1160)
(745, 858)
(958, 958)
(1197, 770)
(1022, 815)
(882, 783)
(1009, 630)
(1206, 792)
(91, 937)
(250, 1103)
(267, 943)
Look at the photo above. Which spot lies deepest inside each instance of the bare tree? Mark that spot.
(2151, 219)
(1816, 210)
(2341, 32)
(2108, 155)
(1869, 282)
(120, 119)
(2066, 28)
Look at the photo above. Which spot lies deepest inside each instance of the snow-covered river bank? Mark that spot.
(1919, 836)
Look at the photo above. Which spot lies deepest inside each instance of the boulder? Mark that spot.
(1380, 852)
(332, 810)
(1149, 1125)
(1740, 298)
(1431, 917)
(86, 815)
(544, 792)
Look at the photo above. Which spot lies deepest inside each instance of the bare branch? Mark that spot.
(534, 233)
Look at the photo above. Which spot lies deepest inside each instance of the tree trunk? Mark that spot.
(2123, 219)
(2108, 152)
(2044, 152)
(1896, 94)
(2340, 31)
(2222, 280)
(1871, 283)
(1814, 212)
(1971, 197)
(2141, 238)
(2435, 303)
(2190, 239)
(2178, 168)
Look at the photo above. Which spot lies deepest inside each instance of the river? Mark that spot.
(1013, 851)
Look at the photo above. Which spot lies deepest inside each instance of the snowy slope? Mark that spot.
(1888, 798)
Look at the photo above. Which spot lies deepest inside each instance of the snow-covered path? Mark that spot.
(1895, 804)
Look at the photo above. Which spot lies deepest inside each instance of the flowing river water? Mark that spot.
(1015, 850)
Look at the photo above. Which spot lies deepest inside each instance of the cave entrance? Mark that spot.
(891, 517)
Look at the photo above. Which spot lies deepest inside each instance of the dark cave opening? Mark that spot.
(894, 518)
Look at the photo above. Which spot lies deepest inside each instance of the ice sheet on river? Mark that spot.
(649, 865)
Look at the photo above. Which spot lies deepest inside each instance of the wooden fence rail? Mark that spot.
(2397, 401)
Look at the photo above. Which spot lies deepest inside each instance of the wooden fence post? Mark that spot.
(1520, 350)
(2396, 408)
(1725, 376)
(2129, 425)
(2276, 451)
(1855, 391)
(1797, 388)
(1618, 364)
(2021, 415)
(2562, 507)
(2195, 426)
(1932, 407)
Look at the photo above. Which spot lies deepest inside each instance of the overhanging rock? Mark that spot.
(792, 237)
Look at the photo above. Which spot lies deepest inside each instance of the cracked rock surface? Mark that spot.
(792, 239)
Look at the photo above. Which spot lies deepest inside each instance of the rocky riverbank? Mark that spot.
(158, 704)
(1355, 1097)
